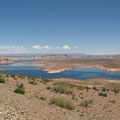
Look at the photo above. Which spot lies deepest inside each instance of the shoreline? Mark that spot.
(99, 67)
(60, 66)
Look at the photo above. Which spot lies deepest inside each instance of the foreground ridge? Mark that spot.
(46, 99)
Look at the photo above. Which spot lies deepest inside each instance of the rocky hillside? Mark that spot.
(28, 98)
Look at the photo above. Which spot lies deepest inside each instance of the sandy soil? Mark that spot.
(30, 106)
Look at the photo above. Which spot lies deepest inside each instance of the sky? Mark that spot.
(60, 26)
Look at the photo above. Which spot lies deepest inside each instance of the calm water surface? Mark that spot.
(78, 73)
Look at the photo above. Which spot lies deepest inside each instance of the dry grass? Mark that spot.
(62, 102)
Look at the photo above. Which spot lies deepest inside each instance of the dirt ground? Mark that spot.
(35, 103)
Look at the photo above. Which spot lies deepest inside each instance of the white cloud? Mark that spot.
(76, 47)
(66, 47)
(13, 49)
(47, 47)
(37, 47)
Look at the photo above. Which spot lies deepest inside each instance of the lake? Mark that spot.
(78, 73)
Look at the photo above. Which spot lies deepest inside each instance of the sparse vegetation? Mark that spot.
(48, 87)
(112, 101)
(62, 102)
(81, 115)
(87, 88)
(42, 98)
(115, 90)
(46, 80)
(102, 94)
(80, 87)
(95, 88)
(86, 102)
(81, 93)
(20, 89)
(63, 89)
(2, 80)
(21, 76)
(13, 76)
(32, 81)
(103, 89)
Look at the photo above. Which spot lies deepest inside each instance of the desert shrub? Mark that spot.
(81, 115)
(86, 102)
(87, 88)
(22, 77)
(115, 90)
(46, 80)
(7, 75)
(62, 102)
(58, 83)
(13, 76)
(67, 84)
(82, 97)
(80, 87)
(2, 80)
(81, 93)
(102, 94)
(32, 81)
(42, 98)
(112, 101)
(103, 89)
(48, 87)
(20, 89)
(95, 88)
(63, 89)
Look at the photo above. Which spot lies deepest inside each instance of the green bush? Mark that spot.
(63, 89)
(102, 94)
(2, 80)
(20, 89)
(62, 102)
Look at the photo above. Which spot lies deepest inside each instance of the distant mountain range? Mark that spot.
(82, 55)
(67, 55)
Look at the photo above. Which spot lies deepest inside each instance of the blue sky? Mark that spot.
(60, 26)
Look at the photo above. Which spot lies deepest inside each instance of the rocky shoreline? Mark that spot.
(99, 67)
(57, 66)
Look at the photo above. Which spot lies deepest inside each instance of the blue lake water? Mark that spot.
(78, 73)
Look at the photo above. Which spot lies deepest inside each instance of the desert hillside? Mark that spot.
(28, 98)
